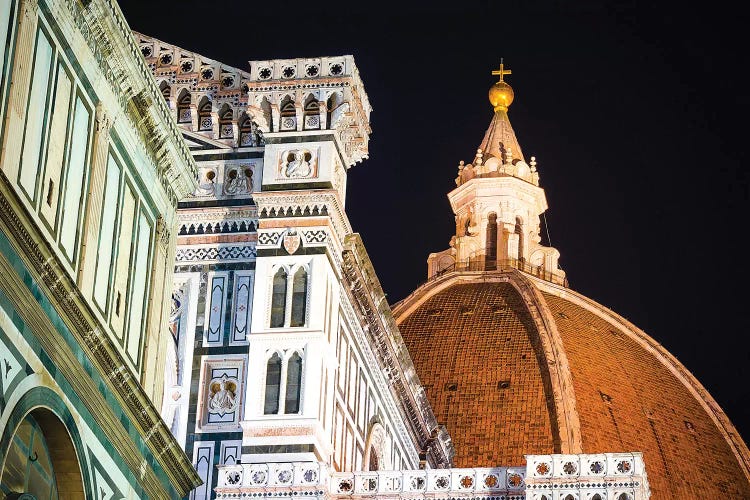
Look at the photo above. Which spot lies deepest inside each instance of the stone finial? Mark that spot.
(508, 155)
(532, 163)
(478, 158)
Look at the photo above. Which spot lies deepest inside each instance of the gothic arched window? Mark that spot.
(278, 299)
(312, 113)
(225, 125)
(204, 116)
(596, 497)
(570, 497)
(288, 114)
(166, 91)
(287, 108)
(273, 385)
(299, 298)
(246, 133)
(183, 108)
(293, 384)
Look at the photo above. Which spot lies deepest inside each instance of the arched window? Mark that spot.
(183, 108)
(544, 497)
(334, 101)
(288, 114)
(273, 385)
(312, 113)
(246, 133)
(204, 116)
(299, 298)
(491, 244)
(287, 108)
(623, 496)
(166, 91)
(570, 497)
(278, 299)
(225, 125)
(596, 497)
(293, 384)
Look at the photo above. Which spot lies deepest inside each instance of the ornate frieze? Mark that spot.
(272, 204)
(113, 48)
(619, 476)
(230, 252)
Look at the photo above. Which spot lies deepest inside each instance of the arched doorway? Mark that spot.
(41, 460)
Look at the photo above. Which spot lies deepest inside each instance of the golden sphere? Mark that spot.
(501, 95)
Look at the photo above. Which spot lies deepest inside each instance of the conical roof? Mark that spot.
(499, 138)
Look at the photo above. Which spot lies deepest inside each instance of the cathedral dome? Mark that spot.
(516, 365)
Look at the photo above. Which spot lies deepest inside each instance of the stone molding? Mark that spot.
(291, 203)
(368, 298)
(108, 37)
(62, 292)
(565, 416)
(709, 404)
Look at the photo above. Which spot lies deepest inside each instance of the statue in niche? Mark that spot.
(297, 164)
(222, 398)
(207, 184)
(239, 181)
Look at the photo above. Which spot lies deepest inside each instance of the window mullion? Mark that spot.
(282, 385)
(288, 302)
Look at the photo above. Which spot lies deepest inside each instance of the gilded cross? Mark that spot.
(501, 72)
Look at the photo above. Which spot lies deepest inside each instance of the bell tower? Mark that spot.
(498, 203)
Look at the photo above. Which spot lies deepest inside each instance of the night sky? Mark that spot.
(637, 115)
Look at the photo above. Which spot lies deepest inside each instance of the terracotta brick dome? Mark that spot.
(515, 365)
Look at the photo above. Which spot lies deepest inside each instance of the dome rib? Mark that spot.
(679, 450)
(415, 312)
(608, 386)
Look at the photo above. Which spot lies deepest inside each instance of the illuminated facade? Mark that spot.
(176, 256)
(91, 170)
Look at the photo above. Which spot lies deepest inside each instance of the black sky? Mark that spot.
(637, 114)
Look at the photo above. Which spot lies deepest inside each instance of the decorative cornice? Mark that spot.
(391, 353)
(110, 40)
(285, 202)
(90, 335)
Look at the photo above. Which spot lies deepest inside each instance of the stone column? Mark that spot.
(235, 133)
(215, 125)
(19, 88)
(93, 214)
(300, 114)
(275, 117)
(194, 118)
(323, 110)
